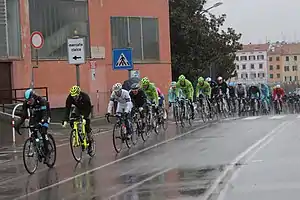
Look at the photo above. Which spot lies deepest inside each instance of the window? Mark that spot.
(277, 58)
(244, 66)
(251, 57)
(246, 75)
(260, 57)
(287, 58)
(58, 20)
(271, 75)
(243, 57)
(278, 75)
(10, 29)
(270, 58)
(286, 68)
(261, 75)
(285, 78)
(294, 68)
(237, 58)
(295, 58)
(290, 78)
(296, 78)
(141, 34)
(237, 67)
(252, 75)
(277, 66)
(271, 67)
(252, 66)
(260, 66)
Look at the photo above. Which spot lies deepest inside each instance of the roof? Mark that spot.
(291, 49)
(254, 47)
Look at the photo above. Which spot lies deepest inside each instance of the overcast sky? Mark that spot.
(258, 20)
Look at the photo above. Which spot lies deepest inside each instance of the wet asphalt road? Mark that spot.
(232, 159)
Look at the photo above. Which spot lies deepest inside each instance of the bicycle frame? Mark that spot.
(78, 137)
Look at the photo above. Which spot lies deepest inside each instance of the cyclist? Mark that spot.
(232, 94)
(223, 87)
(39, 114)
(254, 92)
(187, 90)
(172, 93)
(213, 86)
(278, 93)
(150, 91)
(83, 106)
(161, 101)
(139, 99)
(265, 94)
(124, 102)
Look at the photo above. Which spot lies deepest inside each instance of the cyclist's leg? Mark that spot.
(192, 108)
(44, 130)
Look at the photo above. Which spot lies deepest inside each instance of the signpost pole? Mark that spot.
(77, 75)
(37, 42)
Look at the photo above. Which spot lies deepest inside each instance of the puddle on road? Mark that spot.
(176, 183)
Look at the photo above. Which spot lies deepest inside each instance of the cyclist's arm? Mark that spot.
(24, 114)
(128, 101)
(69, 103)
(88, 104)
(155, 94)
(191, 91)
(208, 91)
(198, 88)
(44, 109)
(144, 97)
(111, 103)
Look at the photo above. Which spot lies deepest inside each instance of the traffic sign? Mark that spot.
(122, 59)
(76, 51)
(37, 40)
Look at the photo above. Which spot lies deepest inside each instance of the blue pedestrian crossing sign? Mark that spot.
(122, 59)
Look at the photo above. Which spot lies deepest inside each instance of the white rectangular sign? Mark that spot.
(76, 51)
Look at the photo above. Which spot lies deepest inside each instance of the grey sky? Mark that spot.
(257, 20)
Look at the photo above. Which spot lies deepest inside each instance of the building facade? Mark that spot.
(275, 64)
(291, 63)
(251, 63)
(105, 24)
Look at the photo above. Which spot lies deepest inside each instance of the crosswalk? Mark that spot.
(275, 117)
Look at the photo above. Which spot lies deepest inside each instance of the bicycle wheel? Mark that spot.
(30, 153)
(118, 138)
(52, 151)
(135, 132)
(75, 143)
(165, 120)
(176, 114)
(92, 144)
(146, 132)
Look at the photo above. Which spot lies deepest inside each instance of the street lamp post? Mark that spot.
(213, 6)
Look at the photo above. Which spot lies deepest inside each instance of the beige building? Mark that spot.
(275, 63)
(291, 62)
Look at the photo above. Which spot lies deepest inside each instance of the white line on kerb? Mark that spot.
(111, 163)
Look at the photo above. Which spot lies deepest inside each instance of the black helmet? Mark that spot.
(135, 86)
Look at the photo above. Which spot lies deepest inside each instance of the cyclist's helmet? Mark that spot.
(135, 86)
(220, 79)
(201, 80)
(277, 86)
(75, 91)
(173, 84)
(117, 89)
(145, 82)
(29, 96)
(208, 79)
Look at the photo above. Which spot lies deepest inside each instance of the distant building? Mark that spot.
(251, 63)
(275, 63)
(291, 62)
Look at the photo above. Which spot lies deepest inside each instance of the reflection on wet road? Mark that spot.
(193, 163)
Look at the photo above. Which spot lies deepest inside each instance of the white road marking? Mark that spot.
(252, 118)
(113, 162)
(277, 117)
(213, 189)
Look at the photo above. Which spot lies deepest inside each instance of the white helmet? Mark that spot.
(117, 87)
(277, 86)
(208, 79)
(220, 78)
